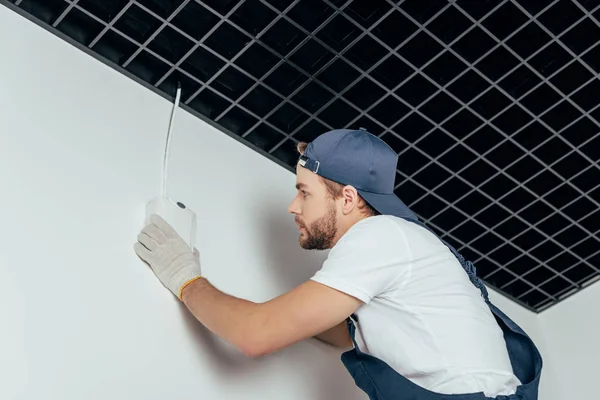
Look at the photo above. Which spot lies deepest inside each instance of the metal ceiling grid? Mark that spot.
(492, 106)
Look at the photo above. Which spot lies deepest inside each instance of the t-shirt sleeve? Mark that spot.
(371, 258)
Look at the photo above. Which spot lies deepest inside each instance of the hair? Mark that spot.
(335, 190)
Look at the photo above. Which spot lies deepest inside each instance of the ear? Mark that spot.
(351, 199)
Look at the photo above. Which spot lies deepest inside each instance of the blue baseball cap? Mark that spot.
(358, 158)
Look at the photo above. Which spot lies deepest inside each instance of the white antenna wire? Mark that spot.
(168, 143)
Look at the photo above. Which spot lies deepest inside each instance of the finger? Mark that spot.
(154, 233)
(164, 226)
(142, 252)
(147, 241)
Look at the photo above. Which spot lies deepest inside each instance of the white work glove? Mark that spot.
(171, 259)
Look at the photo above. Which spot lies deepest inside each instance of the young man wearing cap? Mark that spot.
(417, 321)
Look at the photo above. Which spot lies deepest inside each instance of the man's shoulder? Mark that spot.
(385, 225)
(377, 231)
(395, 234)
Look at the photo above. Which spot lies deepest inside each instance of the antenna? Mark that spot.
(168, 142)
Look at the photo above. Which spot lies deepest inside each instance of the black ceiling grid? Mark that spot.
(492, 106)
(489, 179)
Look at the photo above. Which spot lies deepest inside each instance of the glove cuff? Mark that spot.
(179, 295)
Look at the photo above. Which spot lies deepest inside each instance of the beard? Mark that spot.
(321, 233)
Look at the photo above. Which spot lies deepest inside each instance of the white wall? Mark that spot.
(80, 315)
(572, 331)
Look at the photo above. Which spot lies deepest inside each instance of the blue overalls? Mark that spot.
(381, 382)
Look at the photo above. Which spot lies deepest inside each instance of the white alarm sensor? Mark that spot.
(181, 218)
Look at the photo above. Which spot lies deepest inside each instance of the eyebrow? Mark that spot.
(301, 186)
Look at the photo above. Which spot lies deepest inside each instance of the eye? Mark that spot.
(304, 194)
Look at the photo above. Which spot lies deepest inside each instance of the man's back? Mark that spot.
(422, 315)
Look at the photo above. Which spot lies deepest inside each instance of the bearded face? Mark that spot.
(319, 234)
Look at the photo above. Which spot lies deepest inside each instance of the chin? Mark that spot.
(302, 243)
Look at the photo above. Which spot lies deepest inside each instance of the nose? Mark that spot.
(294, 207)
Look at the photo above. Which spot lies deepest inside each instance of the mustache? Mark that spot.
(299, 223)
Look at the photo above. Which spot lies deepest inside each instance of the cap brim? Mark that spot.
(388, 204)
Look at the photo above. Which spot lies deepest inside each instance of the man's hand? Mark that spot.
(168, 255)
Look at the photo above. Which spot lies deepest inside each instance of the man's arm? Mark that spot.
(337, 336)
(309, 310)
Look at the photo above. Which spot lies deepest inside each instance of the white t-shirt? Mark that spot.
(422, 315)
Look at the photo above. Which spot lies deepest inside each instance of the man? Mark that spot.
(420, 327)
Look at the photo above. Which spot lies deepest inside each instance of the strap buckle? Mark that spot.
(307, 163)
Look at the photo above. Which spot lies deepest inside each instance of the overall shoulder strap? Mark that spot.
(352, 331)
